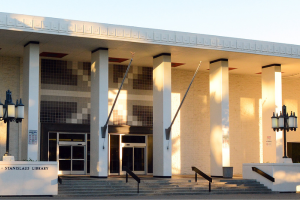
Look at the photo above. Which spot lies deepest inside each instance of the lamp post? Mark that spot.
(10, 112)
(284, 122)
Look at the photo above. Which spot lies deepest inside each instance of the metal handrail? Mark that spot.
(133, 175)
(198, 171)
(59, 180)
(262, 173)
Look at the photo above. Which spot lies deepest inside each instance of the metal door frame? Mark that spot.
(121, 145)
(134, 145)
(70, 143)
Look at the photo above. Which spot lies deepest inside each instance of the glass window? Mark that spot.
(52, 146)
(114, 154)
(133, 139)
(72, 137)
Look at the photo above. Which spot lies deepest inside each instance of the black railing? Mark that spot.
(133, 175)
(262, 173)
(197, 171)
(59, 180)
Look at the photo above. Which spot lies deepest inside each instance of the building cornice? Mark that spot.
(144, 35)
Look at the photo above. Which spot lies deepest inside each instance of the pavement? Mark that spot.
(272, 196)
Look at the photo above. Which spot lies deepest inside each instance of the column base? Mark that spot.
(98, 176)
(286, 160)
(8, 158)
(162, 176)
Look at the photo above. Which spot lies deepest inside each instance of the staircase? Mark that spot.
(118, 187)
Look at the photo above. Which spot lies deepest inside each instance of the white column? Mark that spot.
(99, 112)
(271, 102)
(30, 124)
(219, 116)
(162, 150)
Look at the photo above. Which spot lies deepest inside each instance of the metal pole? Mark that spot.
(284, 131)
(103, 129)
(168, 130)
(138, 187)
(195, 177)
(209, 189)
(7, 138)
(126, 177)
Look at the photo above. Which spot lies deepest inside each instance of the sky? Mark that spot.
(267, 20)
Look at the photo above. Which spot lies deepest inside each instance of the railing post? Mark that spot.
(138, 187)
(195, 177)
(209, 187)
(126, 177)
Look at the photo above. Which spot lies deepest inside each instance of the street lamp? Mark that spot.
(284, 122)
(10, 112)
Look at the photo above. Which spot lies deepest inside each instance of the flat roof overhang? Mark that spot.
(78, 39)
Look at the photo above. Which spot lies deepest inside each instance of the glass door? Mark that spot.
(139, 159)
(71, 159)
(134, 159)
(72, 153)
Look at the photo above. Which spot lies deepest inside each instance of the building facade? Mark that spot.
(68, 74)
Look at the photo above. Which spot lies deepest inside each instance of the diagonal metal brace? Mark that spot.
(103, 128)
(168, 130)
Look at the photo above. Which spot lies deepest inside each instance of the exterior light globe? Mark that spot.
(292, 121)
(296, 122)
(20, 110)
(274, 120)
(11, 110)
(281, 121)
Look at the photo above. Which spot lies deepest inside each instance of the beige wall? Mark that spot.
(10, 79)
(191, 137)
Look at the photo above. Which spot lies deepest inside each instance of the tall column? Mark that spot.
(30, 124)
(271, 102)
(219, 116)
(99, 112)
(162, 150)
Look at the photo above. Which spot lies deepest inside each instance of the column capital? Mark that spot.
(218, 60)
(98, 49)
(162, 54)
(271, 65)
(31, 42)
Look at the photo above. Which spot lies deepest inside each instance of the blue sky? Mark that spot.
(268, 20)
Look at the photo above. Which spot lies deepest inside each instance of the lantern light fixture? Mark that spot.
(284, 122)
(10, 112)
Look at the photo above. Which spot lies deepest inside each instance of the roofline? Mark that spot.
(56, 26)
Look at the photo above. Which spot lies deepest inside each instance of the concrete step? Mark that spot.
(111, 187)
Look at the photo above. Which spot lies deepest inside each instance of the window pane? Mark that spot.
(65, 165)
(52, 146)
(78, 152)
(127, 158)
(133, 139)
(114, 154)
(64, 152)
(78, 165)
(72, 137)
(139, 159)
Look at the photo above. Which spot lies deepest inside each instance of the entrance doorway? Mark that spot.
(71, 151)
(129, 151)
(134, 158)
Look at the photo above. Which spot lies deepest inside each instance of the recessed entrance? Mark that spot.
(129, 151)
(71, 150)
